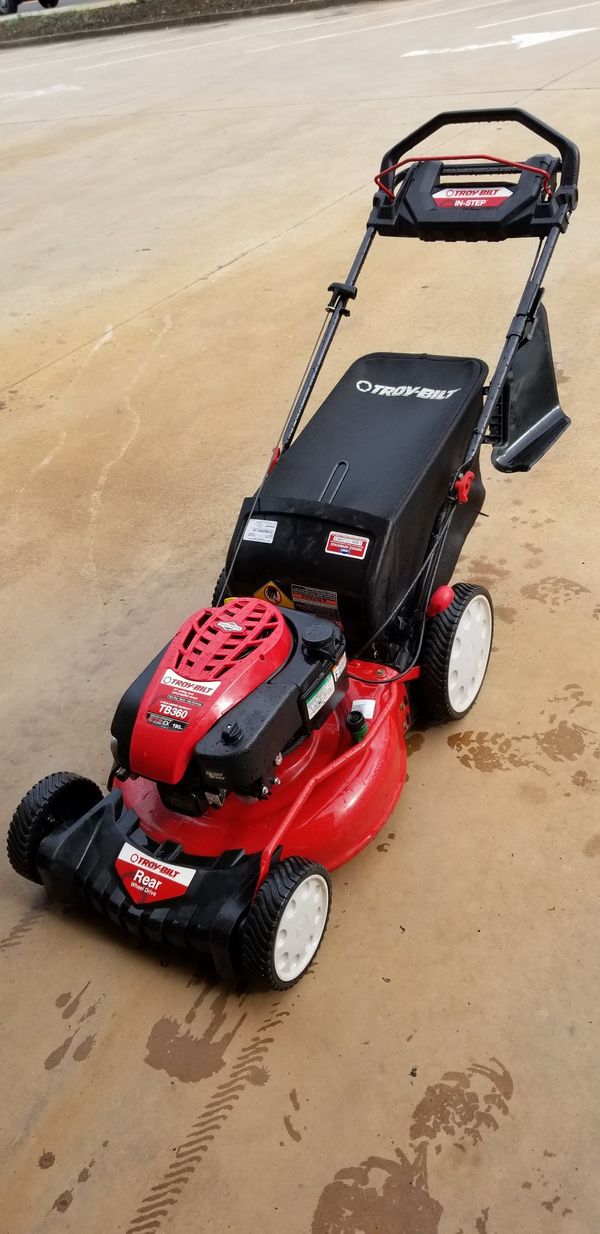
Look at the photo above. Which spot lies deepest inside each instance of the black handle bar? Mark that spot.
(568, 150)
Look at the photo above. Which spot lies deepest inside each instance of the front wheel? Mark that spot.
(286, 924)
(60, 798)
(8, 7)
(48, 4)
(456, 653)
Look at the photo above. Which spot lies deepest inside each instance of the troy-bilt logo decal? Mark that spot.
(367, 387)
(347, 546)
(471, 199)
(147, 880)
(176, 682)
(231, 627)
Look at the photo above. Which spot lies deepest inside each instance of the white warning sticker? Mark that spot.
(260, 530)
(366, 706)
(320, 696)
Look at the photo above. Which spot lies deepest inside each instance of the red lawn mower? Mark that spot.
(265, 745)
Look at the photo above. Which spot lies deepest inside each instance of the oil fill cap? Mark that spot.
(319, 637)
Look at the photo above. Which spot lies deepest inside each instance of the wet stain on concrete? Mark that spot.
(292, 1132)
(414, 743)
(15, 937)
(84, 1048)
(385, 844)
(503, 612)
(83, 1175)
(592, 847)
(481, 1224)
(162, 1196)
(258, 1076)
(90, 1011)
(57, 1055)
(63, 1201)
(487, 573)
(581, 779)
(391, 1196)
(575, 695)
(70, 1003)
(485, 751)
(188, 1057)
(554, 591)
(383, 1195)
(565, 742)
(46, 1160)
(456, 1108)
(550, 1205)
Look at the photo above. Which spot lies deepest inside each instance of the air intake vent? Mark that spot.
(214, 642)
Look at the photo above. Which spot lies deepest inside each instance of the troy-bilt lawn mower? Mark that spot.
(266, 744)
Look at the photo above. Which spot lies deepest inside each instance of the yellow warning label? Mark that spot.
(274, 595)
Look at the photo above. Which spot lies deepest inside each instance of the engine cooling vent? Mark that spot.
(214, 641)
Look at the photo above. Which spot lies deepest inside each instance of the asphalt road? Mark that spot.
(174, 205)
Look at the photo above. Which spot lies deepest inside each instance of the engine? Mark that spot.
(237, 687)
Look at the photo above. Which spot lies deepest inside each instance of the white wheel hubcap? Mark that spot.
(301, 927)
(470, 653)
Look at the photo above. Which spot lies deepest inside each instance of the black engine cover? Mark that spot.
(239, 751)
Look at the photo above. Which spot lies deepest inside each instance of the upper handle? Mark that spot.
(569, 152)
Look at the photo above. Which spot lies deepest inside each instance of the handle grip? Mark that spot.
(568, 150)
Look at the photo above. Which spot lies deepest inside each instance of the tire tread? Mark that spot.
(263, 919)
(33, 818)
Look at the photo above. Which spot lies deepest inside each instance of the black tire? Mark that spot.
(8, 7)
(48, 4)
(59, 798)
(437, 652)
(260, 930)
(219, 587)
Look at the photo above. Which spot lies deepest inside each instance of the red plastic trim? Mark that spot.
(441, 599)
(462, 487)
(346, 760)
(435, 158)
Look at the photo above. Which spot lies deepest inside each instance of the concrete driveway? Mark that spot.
(174, 206)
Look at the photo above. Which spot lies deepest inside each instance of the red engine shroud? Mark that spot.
(215, 660)
(333, 797)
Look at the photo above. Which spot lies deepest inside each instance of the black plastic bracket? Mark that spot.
(341, 292)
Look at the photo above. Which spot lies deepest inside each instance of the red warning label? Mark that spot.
(347, 546)
(474, 198)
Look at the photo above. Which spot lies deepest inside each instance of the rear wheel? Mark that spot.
(48, 4)
(219, 591)
(286, 924)
(456, 653)
(59, 798)
(8, 7)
